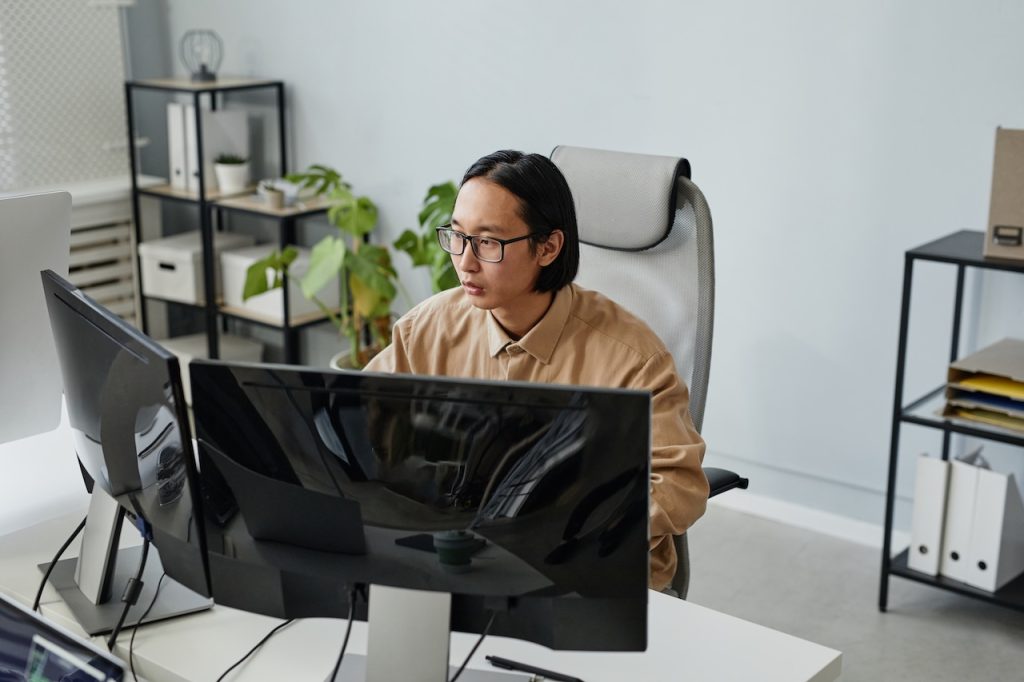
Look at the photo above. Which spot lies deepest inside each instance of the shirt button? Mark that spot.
(514, 350)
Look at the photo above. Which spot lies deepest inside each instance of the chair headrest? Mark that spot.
(623, 201)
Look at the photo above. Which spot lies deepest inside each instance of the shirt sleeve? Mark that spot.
(679, 489)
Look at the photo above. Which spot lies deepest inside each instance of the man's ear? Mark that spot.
(549, 249)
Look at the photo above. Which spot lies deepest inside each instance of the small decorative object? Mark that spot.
(272, 196)
(201, 51)
(232, 173)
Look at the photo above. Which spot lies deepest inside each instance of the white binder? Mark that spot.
(956, 536)
(225, 131)
(930, 487)
(996, 555)
(176, 144)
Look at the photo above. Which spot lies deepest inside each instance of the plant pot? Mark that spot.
(232, 178)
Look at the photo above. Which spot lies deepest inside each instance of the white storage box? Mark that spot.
(194, 346)
(269, 306)
(172, 268)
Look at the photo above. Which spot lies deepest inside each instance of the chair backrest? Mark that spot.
(647, 245)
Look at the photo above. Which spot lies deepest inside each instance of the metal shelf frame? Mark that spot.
(962, 249)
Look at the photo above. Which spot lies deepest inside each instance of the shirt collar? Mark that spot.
(541, 340)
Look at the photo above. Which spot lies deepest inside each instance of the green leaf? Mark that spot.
(275, 265)
(438, 205)
(325, 261)
(256, 278)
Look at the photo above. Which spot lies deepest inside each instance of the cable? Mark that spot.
(251, 651)
(135, 628)
(348, 631)
(53, 563)
(131, 595)
(475, 647)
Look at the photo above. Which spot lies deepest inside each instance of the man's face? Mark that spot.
(487, 209)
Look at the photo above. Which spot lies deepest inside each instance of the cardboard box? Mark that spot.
(172, 268)
(988, 386)
(194, 346)
(270, 305)
(1005, 236)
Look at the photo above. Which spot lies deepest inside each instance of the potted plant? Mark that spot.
(366, 278)
(273, 196)
(423, 248)
(232, 173)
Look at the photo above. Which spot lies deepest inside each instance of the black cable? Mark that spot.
(475, 647)
(131, 595)
(348, 631)
(253, 650)
(53, 563)
(135, 628)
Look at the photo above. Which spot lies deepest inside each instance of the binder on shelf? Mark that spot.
(176, 145)
(956, 534)
(225, 131)
(996, 553)
(931, 484)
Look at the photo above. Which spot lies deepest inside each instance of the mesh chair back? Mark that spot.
(666, 275)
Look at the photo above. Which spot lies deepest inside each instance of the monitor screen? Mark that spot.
(33, 649)
(529, 498)
(128, 423)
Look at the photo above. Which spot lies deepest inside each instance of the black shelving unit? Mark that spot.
(964, 250)
(214, 92)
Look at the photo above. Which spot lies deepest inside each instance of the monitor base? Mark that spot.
(175, 599)
(353, 669)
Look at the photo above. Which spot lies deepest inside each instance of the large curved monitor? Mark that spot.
(528, 499)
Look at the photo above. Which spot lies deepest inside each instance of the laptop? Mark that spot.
(32, 648)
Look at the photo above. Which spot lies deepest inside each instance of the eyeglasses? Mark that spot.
(487, 249)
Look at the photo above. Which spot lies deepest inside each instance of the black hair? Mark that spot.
(545, 205)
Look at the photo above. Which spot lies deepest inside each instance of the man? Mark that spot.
(517, 316)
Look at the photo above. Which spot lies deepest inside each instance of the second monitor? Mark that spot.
(525, 500)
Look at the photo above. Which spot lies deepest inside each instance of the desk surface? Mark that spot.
(685, 641)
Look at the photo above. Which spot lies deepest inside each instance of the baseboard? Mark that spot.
(799, 516)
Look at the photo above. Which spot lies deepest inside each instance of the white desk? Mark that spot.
(685, 641)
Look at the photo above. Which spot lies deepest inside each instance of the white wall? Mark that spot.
(828, 137)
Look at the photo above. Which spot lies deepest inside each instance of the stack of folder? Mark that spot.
(968, 524)
(988, 386)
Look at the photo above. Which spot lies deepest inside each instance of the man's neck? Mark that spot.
(525, 316)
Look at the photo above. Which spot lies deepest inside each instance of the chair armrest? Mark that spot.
(721, 480)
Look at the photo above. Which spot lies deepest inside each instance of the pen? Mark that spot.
(506, 664)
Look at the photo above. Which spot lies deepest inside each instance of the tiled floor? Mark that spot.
(826, 590)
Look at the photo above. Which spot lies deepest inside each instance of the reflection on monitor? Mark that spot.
(525, 498)
(35, 650)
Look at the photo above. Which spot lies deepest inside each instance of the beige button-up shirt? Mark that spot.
(584, 339)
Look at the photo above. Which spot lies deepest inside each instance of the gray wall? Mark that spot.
(828, 137)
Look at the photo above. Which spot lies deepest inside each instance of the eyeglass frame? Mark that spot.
(472, 239)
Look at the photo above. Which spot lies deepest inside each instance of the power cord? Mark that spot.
(53, 562)
(135, 628)
(251, 651)
(348, 631)
(476, 646)
(131, 594)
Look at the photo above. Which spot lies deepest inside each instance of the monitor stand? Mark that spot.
(407, 639)
(92, 584)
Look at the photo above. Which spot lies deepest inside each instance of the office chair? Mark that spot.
(646, 243)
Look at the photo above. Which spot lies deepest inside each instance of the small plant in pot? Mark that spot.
(232, 173)
(366, 279)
